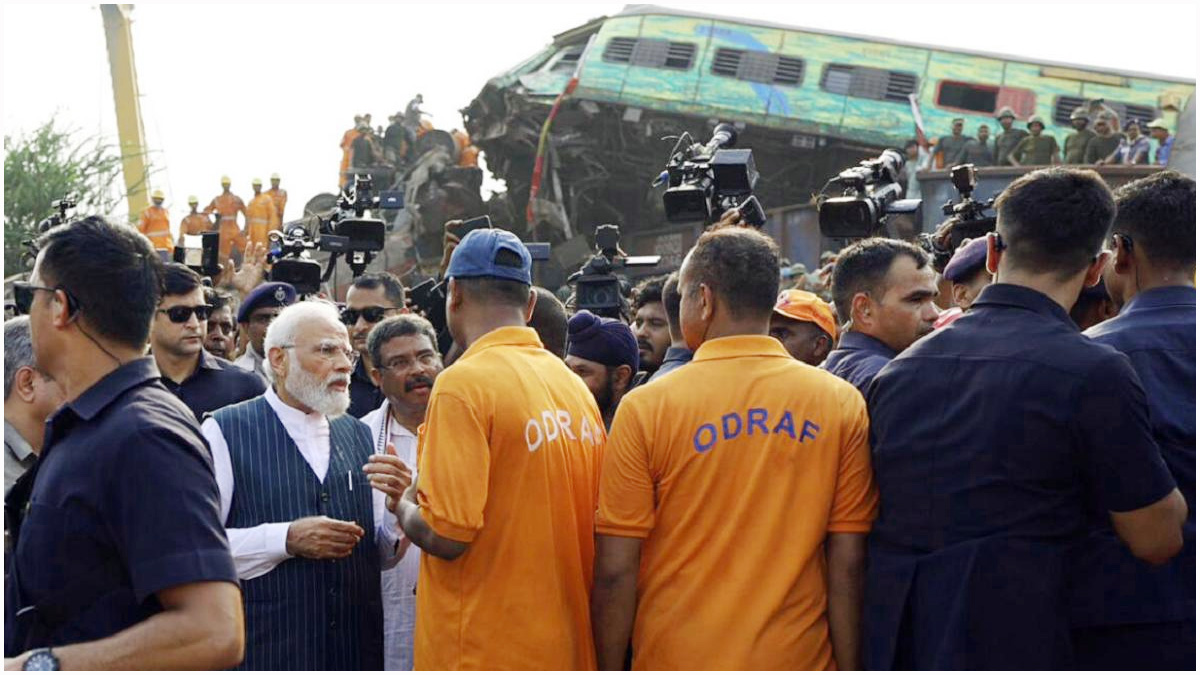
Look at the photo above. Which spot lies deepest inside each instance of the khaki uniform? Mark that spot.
(950, 147)
(1036, 150)
(1075, 146)
(1006, 142)
(1100, 147)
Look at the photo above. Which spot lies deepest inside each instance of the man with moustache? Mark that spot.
(404, 364)
(221, 338)
(604, 354)
(373, 297)
(202, 381)
(650, 323)
(308, 534)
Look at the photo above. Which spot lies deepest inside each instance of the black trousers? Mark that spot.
(1149, 646)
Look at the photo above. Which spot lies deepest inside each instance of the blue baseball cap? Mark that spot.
(475, 256)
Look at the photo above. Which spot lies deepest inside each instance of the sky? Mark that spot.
(248, 90)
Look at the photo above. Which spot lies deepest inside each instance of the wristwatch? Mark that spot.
(41, 659)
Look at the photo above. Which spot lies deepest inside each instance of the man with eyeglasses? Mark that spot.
(258, 310)
(202, 381)
(221, 339)
(405, 363)
(308, 533)
(373, 297)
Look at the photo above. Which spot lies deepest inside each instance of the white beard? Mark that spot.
(315, 393)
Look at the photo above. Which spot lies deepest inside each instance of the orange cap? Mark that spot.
(806, 306)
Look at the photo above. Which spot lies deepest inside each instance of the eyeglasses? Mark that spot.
(24, 291)
(372, 314)
(404, 363)
(330, 352)
(180, 314)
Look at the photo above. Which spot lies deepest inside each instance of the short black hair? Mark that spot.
(549, 319)
(506, 292)
(862, 267)
(741, 266)
(396, 326)
(392, 288)
(1054, 220)
(218, 299)
(1159, 213)
(648, 291)
(111, 270)
(670, 300)
(179, 279)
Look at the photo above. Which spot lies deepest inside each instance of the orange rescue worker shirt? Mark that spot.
(347, 146)
(733, 470)
(260, 218)
(156, 225)
(279, 198)
(227, 206)
(509, 460)
(195, 223)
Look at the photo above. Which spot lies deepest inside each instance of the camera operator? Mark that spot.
(1129, 615)
(604, 354)
(372, 298)
(120, 562)
(989, 436)
(678, 354)
(883, 290)
(202, 381)
(650, 324)
(685, 452)
(221, 339)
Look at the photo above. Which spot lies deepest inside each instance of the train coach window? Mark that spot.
(650, 52)
(870, 83)
(762, 67)
(1064, 105)
(963, 96)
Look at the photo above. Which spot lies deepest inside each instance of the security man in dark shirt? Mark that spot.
(372, 298)
(988, 437)
(121, 561)
(202, 381)
(1127, 614)
(678, 354)
(884, 290)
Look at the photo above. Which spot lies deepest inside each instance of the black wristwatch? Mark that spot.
(41, 659)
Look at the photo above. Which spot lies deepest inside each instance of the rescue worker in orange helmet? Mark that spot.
(279, 196)
(228, 205)
(156, 225)
(260, 216)
(195, 222)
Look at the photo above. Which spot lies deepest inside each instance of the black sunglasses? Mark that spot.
(372, 314)
(180, 314)
(23, 293)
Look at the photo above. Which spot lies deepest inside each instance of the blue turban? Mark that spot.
(608, 342)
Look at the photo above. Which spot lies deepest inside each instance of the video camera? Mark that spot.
(968, 218)
(871, 192)
(345, 230)
(703, 181)
(29, 255)
(597, 284)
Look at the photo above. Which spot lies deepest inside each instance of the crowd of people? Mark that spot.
(987, 466)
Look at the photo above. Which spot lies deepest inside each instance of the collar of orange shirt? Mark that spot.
(513, 336)
(740, 345)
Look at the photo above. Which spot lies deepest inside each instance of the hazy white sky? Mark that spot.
(248, 89)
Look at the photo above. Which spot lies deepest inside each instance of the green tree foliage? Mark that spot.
(48, 164)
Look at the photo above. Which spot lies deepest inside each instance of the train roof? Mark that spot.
(641, 10)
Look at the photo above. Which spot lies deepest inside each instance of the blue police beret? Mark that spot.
(276, 294)
(967, 261)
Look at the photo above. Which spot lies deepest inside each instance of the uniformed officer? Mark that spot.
(202, 381)
(883, 290)
(195, 222)
(1075, 144)
(948, 147)
(257, 311)
(156, 224)
(279, 197)
(1035, 149)
(227, 207)
(120, 562)
(966, 272)
(987, 438)
(1008, 138)
(976, 150)
(1127, 614)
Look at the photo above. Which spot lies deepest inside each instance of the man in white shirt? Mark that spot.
(405, 362)
(308, 533)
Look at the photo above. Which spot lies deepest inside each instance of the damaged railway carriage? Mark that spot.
(808, 102)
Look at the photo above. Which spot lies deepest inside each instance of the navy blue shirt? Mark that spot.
(124, 505)
(858, 358)
(1157, 331)
(365, 397)
(673, 359)
(986, 437)
(215, 384)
